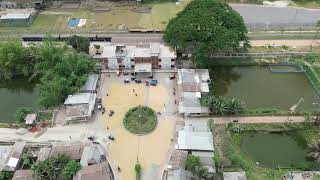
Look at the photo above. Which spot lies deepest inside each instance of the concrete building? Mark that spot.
(10, 156)
(117, 56)
(192, 84)
(80, 106)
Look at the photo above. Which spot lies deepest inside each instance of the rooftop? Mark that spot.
(91, 155)
(43, 154)
(12, 159)
(91, 83)
(195, 137)
(100, 171)
(80, 98)
(73, 150)
(23, 175)
(30, 118)
(9, 16)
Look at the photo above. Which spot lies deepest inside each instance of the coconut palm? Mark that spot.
(314, 151)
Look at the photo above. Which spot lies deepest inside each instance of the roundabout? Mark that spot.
(140, 120)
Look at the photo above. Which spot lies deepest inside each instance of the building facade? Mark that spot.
(120, 57)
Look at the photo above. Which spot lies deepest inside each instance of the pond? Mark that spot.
(15, 94)
(273, 149)
(73, 22)
(260, 88)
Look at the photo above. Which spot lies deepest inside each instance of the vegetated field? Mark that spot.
(56, 20)
(228, 147)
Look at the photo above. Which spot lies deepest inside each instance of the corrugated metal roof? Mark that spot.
(91, 155)
(9, 16)
(72, 150)
(30, 118)
(91, 83)
(94, 172)
(201, 141)
(80, 98)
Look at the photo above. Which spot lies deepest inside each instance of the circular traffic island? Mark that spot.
(140, 120)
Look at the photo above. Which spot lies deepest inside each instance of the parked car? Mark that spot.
(125, 73)
(126, 81)
(172, 76)
(153, 82)
(138, 81)
(133, 78)
(99, 100)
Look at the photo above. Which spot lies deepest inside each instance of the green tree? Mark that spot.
(21, 113)
(209, 26)
(51, 168)
(26, 160)
(192, 163)
(314, 151)
(138, 169)
(71, 168)
(222, 105)
(81, 44)
(6, 175)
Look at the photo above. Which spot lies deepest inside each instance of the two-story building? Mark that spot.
(116, 56)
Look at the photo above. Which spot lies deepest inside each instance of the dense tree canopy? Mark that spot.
(81, 44)
(61, 71)
(208, 26)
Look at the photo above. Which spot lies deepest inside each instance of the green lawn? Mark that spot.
(55, 21)
(140, 120)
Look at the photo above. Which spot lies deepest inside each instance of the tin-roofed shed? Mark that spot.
(91, 84)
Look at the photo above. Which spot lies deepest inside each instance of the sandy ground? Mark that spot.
(149, 149)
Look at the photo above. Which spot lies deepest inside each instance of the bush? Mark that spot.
(138, 169)
(222, 105)
(21, 113)
(140, 120)
(71, 168)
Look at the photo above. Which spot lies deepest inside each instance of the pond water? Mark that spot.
(15, 94)
(273, 149)
(73, 22)
(260, 88)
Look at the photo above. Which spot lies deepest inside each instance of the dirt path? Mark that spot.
(247, 120)
(297, 43)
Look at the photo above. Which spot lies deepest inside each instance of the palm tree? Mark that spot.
(314, 151)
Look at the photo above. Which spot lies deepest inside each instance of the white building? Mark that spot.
(118, 56)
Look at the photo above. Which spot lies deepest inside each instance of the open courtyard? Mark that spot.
(151, 149)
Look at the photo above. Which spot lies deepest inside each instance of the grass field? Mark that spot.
(55, 21)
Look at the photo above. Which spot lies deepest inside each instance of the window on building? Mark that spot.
(172, 66)
(159, 65)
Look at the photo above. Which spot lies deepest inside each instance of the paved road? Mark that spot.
(248, 120)
(273, 17)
